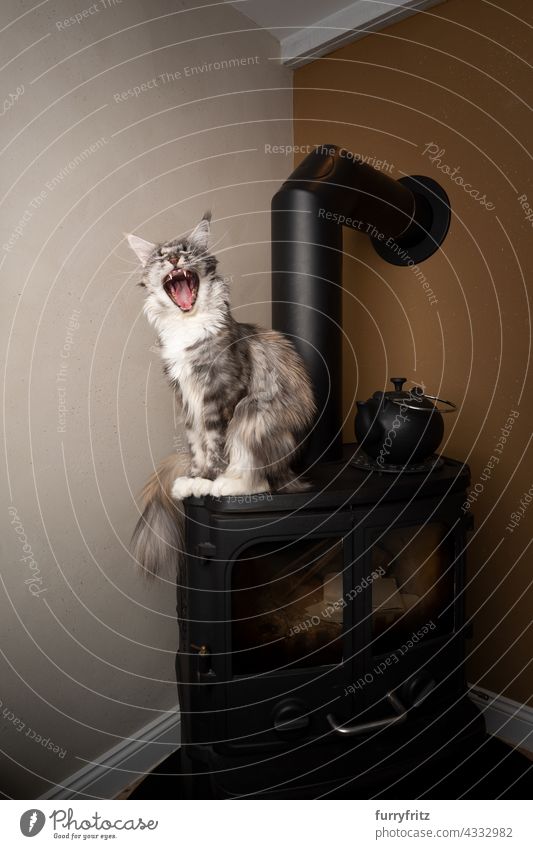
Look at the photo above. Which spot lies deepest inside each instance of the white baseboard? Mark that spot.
(505, 718)
(124, 763)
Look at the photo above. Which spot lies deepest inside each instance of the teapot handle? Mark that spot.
(451, 407)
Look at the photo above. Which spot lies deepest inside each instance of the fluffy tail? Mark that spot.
(158, 539)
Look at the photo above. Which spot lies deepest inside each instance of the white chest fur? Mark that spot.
(178, 344)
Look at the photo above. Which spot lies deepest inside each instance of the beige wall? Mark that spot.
(89, 660)
(456, 77)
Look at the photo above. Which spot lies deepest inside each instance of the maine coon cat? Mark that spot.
(245, 393)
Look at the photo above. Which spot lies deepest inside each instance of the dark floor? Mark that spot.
(492, 771)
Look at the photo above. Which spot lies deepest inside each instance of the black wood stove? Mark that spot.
(322, 633)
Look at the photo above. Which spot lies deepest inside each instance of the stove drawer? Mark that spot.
(280, 709)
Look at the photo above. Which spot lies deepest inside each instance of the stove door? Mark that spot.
(414, 610)
(289, 627)
(287, 606)
(414, 587)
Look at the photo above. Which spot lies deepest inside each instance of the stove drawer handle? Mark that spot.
(400, 716)
(401, 713)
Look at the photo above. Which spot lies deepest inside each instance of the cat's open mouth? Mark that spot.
(181, 286)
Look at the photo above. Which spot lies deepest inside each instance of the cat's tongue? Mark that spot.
(182, 287)
(183, 294)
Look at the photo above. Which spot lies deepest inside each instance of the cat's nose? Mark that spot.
(173, 259)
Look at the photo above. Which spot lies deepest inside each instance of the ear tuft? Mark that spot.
(200, 235)
(142, 249)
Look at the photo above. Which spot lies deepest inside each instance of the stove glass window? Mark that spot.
(287, 605)
(413, 593)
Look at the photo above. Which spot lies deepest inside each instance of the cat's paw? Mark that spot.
(186, 486)
(236, 486)
(201, 487)
(183, 488)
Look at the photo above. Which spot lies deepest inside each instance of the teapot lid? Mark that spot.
(414, 397)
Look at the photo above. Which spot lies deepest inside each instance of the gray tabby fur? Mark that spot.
(245, 393)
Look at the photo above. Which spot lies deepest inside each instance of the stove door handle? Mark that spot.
(400, 715)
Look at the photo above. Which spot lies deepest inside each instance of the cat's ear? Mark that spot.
(140, 247)
(200, 234)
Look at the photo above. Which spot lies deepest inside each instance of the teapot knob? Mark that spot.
(398, 383)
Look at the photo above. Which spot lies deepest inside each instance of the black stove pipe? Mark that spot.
(328, 189)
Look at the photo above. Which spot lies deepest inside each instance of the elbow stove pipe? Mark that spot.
(325, 191)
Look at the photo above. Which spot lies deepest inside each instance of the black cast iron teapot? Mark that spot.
(400, 427)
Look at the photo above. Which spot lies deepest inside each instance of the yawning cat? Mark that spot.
(245, 393)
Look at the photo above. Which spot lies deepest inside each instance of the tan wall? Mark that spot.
(456, 77)
(89, 660)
